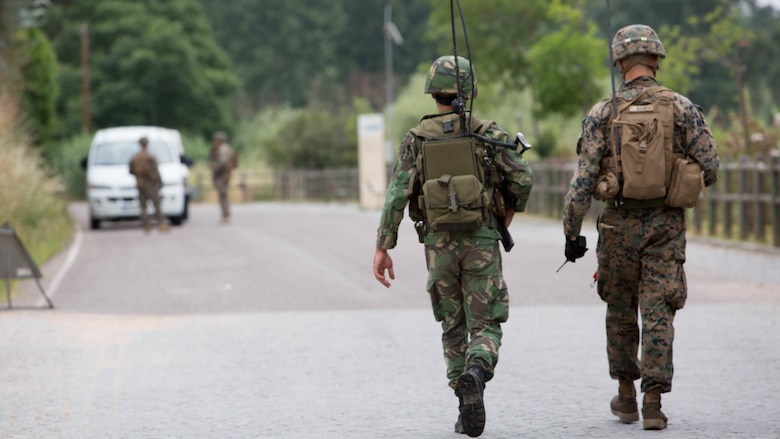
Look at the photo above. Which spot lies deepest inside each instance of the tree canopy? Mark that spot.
(199, 65)
(307, 50)
(150, 63)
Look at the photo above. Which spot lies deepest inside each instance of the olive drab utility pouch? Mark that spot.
(454, 196)
(687, 183)
(645, 156)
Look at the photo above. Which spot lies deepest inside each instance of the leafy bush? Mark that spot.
(65, 157)
(314, 139)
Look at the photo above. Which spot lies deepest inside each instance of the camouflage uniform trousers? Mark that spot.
(470, 299)
(641, 253)
(149, 191)
(222, 185)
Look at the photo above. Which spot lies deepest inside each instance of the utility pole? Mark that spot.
(392, 35)
(86, 113)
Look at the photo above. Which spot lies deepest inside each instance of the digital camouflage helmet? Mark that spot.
(441, 77)
(636, 39)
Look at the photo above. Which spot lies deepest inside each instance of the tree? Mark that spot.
(299, 52)
(151, 63)
(565, 69)
(38, 64)
(500, 34)
(725, 43)
(284, 51)
(30, 64)
(708, 83)
(547, 46)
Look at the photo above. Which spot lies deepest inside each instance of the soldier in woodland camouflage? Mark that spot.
(641, 247)
(144, 166)
(465, 283)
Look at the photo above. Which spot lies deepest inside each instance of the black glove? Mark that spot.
(575, 249)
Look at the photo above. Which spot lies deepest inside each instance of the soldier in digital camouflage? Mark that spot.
(465, 282)
(641, 246)
(222, 161)
(143, 166)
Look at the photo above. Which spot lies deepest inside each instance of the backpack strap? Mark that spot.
(486, 124)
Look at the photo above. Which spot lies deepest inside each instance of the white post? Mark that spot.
(372, 165)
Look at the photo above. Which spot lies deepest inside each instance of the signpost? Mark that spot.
(16, 263)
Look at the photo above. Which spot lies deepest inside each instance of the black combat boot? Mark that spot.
(623, 405)
(458, 424)
(472, 411)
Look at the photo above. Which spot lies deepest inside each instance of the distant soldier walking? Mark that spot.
(222, 161)
(147, 178)
(647, 153)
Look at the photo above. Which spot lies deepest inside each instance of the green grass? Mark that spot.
(32, 200)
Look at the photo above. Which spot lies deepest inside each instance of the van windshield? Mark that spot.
(120, 153)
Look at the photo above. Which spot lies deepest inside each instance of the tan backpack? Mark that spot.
(650, 168)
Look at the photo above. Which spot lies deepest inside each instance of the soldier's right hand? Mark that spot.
(382, 262)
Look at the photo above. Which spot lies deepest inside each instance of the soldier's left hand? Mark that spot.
(575, 248)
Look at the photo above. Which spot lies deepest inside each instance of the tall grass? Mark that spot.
(31, 200)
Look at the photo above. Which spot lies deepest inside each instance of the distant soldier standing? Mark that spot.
(458, 189)
(222, 161)
(665, 154)
(147, 178)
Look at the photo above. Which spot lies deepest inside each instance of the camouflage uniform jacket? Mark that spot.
(144, 166)
(222, 160)
(515, 171)
(692, 137)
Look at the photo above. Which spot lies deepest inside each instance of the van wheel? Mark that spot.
(94, 224)
(176, 220)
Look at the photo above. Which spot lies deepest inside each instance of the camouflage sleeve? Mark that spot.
(590, 147)
(516, 172)
(397, 195)
(696, 138)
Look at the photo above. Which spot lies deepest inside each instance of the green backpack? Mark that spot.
(456, 191)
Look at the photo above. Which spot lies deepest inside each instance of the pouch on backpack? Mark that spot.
(454, 203)
(686, 184)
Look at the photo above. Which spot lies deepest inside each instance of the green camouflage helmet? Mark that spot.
(635, 39)
(441, 77)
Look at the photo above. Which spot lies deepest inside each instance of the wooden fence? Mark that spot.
(285, 185)
(743, 205)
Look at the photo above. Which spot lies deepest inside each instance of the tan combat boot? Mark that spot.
(163, 227)
(623, 405)
(653, 417)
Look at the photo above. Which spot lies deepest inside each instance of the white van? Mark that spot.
(111, 189)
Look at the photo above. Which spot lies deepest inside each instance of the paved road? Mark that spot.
(273, 327)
